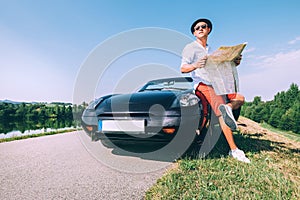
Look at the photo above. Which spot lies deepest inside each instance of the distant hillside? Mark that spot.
(33, 102)
(9, 101)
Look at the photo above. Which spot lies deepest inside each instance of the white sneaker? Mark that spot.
(239, 155)
(228, 116)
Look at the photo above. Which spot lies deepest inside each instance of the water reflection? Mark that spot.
(19, 128)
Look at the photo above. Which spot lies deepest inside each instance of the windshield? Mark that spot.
(168, 84)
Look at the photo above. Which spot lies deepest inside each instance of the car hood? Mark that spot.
(139, 101)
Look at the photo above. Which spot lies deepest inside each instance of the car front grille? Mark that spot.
(123, 115)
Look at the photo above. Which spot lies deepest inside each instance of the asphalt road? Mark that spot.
(69, 166)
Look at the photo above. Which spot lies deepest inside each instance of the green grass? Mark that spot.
(222, 179)
(287, 134)
(274, 173)
(37, 135)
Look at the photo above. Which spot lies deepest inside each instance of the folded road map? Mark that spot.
(222, 69)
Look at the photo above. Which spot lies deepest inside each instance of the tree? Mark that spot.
(276, 117)
(292, 94)
(257, 100)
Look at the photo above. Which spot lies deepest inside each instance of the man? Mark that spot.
(194, 57)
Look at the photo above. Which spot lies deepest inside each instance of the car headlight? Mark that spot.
(189, 100)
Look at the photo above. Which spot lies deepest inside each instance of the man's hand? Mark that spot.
(237, 60)
(200, 63)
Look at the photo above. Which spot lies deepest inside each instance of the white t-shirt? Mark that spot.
(190, 54)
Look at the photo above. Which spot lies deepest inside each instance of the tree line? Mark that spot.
(282, 112)
(33, 111)
(25, 116)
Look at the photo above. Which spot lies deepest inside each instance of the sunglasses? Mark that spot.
(204, 26)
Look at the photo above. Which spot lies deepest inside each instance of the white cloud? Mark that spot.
(249, 50)
(295, 40)
(270, 75)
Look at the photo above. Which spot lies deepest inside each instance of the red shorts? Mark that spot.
(215, 100)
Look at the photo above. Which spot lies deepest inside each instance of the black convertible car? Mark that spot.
(157, 112)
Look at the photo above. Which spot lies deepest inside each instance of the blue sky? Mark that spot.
(43, 44)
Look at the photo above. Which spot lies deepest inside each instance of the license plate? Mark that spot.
(121, 125)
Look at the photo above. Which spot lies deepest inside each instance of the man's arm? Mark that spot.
(186, 68)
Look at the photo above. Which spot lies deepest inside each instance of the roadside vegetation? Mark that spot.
(274, 171)
(282, 112)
